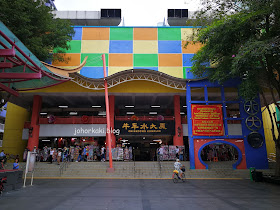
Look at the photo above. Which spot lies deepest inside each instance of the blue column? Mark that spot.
(189, 114)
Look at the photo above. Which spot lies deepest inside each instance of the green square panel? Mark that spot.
(169, 33)
(75, 47)
(185, 71)
(121, 33)
(94, 59)
(145, 60)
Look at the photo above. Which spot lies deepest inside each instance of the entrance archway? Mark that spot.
(234, 166)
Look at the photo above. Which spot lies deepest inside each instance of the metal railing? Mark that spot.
(159, 164)
(63, 166)
(134, 167)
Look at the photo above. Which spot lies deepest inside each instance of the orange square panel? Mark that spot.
(191, 48)
(170, 59)
(71, 59)
(95, 34)
(145, 34)
(120, 59)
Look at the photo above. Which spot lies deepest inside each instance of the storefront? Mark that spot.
(152, 96)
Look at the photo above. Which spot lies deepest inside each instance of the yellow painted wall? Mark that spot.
(270, 145)
(14, 123)
(127, 87)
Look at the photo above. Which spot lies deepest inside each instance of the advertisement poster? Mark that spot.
(165, 152)
(172, 152)
(31, 162)
(207, 120)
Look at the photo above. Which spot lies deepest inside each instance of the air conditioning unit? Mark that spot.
(177, 13)
(110, 13)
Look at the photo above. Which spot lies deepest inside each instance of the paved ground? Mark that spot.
(143, 194)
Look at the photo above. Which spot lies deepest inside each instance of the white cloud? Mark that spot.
(135, 12)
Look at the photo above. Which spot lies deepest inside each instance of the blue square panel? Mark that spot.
(145, 67)
(78, 33)
(187, 59)
(121, 47)
(93, 72)
(169, 47)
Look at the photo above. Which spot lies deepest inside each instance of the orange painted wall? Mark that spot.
(95, 34)
(145, 34)
(170, 59)
(120, 59)
(191, 48)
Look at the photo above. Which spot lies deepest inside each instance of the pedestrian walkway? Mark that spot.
(142, 194)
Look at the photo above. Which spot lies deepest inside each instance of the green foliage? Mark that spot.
(33, 23)
(243, 44)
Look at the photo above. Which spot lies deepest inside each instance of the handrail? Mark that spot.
(159, 164)
(134, 165)
(64, 165)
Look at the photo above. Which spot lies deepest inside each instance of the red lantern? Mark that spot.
(85, 119)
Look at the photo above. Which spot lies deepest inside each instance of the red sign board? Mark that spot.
(207, 120)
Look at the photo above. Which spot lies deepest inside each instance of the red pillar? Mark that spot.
(178, 137)
(33, 139)
(112, 118)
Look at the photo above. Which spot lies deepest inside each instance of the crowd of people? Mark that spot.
(222, 152)
(71, 154)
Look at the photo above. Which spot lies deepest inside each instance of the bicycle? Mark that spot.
(176, 176)
(2, 181)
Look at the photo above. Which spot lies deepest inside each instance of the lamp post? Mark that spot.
(110, 169)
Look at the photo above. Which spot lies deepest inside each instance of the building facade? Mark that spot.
(154, 100)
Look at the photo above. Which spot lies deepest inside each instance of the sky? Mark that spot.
(134, 12)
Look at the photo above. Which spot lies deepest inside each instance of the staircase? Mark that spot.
(131, 170)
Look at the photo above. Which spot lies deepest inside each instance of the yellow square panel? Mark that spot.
(95, 46)
(145, 47)
(172, 71)
(187, 33)
(113, 70)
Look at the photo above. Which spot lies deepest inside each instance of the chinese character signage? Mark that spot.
(207, 120)
(146, 127)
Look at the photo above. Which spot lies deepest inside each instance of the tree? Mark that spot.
(34, 24)
(244, 42)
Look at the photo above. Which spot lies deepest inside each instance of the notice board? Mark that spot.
(207, 120)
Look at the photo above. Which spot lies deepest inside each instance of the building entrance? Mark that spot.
(144, 147)
(219, 155)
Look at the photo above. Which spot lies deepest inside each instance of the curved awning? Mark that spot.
(21, 69)
(132, 75)
(64, 71)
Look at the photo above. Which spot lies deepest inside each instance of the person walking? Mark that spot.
(25, 154)
(51, 155)
(177, 152)
(3, 156)
(58, 156)
(181, 154)
(161, 153)
(102, 154)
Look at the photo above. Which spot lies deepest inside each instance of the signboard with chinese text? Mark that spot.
(207, 120)
(146, 127)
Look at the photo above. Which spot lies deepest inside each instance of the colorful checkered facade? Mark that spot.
(160, 49)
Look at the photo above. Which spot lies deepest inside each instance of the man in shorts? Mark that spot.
(177, 166)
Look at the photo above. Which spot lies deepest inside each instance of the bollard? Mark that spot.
(252, 170)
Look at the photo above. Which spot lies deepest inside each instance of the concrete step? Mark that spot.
(132, 170)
